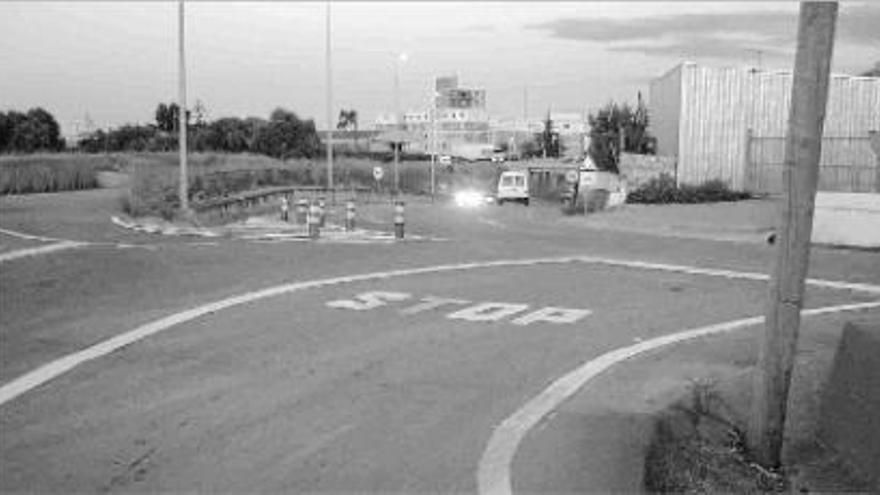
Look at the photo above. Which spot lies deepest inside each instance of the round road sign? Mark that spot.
(571, 176)
(378, 173)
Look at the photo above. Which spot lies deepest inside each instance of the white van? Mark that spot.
(513, 186)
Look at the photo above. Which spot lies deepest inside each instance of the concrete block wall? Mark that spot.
(847, 219)
(850, 413)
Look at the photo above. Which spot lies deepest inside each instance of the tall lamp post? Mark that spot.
(329, 107)
(401, 58)
(433, 115)
(183, 192)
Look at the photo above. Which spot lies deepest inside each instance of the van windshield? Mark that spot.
(513, 181)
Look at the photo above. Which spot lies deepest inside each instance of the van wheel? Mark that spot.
(526, 201)
(500, 202)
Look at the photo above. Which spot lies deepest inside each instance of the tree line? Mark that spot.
(283, 135)
(618, 128)
(614, 128)
(29, 132)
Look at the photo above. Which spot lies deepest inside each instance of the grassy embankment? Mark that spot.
(153, 177)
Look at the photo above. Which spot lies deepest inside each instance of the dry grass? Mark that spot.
(40, 173)
(695, 449)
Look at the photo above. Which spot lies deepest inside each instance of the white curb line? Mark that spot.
(22, 253)
(493, 473)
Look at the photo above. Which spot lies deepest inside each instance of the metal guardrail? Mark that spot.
(241, 201)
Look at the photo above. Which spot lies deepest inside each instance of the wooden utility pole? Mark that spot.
(181, 112)
(802, 152)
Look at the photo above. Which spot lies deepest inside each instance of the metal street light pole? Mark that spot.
(433, 110)
(183, 193)
(399, 116)
(329, 106)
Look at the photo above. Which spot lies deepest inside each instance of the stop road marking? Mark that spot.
(488, 311)
(369, 300)
(479, 312)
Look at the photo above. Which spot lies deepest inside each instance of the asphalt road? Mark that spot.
(386, 383)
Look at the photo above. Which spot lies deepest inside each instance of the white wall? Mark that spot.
(700, 115)
(664, 111)
(847, 219)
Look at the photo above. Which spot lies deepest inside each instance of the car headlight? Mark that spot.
(469, 199)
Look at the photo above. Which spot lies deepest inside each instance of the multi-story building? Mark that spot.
(458, 124)
(458, 121)
(570, 127)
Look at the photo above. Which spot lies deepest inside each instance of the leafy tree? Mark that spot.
(167, 117)
(550, 146)
(606, 126)
(348, 120)
(5, 131)
(164, 122)
(229, 134)
(94, 142)
(36, 130)
(286, 136)
(530, 148)
(130, 138)
(200, 114)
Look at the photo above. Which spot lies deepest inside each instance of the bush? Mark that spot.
(663, 190)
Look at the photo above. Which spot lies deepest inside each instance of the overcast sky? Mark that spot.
(116, 60)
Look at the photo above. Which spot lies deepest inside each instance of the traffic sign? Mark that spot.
(571, 176)
(378, 173)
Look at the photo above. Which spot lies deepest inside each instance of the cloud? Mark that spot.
(712, 34)
(690, 47)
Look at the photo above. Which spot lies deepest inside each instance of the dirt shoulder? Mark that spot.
(698, 443)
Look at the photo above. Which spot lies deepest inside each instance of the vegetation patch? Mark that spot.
(155, 177)
(696, 449)
(40, 173)
(664, 190)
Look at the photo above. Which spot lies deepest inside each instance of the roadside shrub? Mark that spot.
(663, 190)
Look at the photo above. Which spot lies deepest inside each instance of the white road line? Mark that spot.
(22, 253)
(493, 472)
(30, 237)
(53, 369)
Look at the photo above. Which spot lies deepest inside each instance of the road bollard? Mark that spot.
(398, 220)
(302, 211)
(321, 212)
(349, 216)
(313, 221)
(285, 207)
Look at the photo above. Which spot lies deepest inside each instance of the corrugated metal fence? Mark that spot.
(847, 164)
(702, 116)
